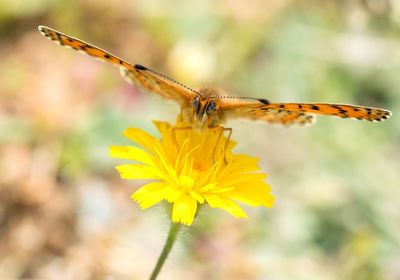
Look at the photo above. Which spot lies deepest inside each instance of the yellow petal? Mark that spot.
(197, 196)
(149, 194)
(243, 164)
(228, 205)
(169, 141)
(133, 153)
(207, 187)
(260, 194)
(240, 179)
(162, 126)
(166, 131)
(172, 193)
(184, 210)
(139, 171)
(142, 138)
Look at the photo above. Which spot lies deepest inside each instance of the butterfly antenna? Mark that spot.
(261, 100)
(141, 67)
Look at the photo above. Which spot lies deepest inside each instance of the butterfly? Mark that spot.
(208, 107)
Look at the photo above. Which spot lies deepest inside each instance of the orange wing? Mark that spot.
(159, 83)
(138, 74)
(297, 113)
(339, 110)
(273, 116)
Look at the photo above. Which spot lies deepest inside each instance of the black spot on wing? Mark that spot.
(59, 39)
(263, 101)
(140, 67)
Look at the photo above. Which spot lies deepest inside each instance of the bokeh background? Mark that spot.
(66, 214)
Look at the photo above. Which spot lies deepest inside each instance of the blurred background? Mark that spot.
(66, 214)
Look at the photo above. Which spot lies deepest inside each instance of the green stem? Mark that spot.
(173, 231)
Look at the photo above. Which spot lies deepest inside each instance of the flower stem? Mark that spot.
(173, 232)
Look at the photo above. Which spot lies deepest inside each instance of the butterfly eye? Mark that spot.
(211, 107)
(195, 103)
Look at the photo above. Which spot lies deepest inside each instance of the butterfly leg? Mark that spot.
(228, 138)
(222, 129)
(179, 128)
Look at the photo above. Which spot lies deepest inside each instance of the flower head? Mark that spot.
(188, 167)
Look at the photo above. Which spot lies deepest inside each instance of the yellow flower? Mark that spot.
(189, 168)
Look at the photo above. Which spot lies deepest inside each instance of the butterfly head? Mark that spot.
(203, 109)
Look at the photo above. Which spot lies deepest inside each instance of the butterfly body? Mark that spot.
(208, 107)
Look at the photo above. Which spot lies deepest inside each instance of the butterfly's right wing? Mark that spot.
(298, 113)
(138, 74)
(239, 108)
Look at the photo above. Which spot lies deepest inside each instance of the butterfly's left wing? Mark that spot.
(298, 113)
(158, 83)
(138, 74)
